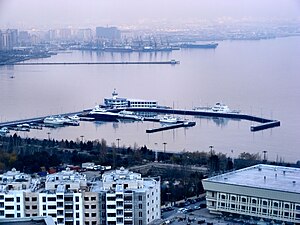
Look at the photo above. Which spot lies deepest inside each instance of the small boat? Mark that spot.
(74, 118)
(168, 119)
(4, 130)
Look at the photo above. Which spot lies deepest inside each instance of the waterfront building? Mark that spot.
(127, 198)
(260, 191)
(109, 33)
(117, 102)
(8, 39)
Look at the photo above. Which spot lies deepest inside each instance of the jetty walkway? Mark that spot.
(171, 62)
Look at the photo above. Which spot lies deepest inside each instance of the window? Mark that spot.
(140, 206)
(77, 207)
(9, 207)
(18, 214)
(86, 198)
(244, 199)
(140, 198)
(286, 214)
(1, 204)
(86, 215)
(298, 207)
(233, 198)
(27, 207)
(34, 199)
(223, 196)
(86, 206)
(264, 211)
(119, 220)
(265, 203)
(140, 222)
(77, 199)
(9, 199)
(18, 207)
(77, 215)
(286, 206)
(140, 214)
(93, 198)
(49, 206)
(60, 197)
(18, 199)
(254, 201)
(27, 199)
(44, 199)
(93, 206)
(93, 214)
(51, 199)
(1, 197)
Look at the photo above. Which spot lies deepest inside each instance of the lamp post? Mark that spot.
(156, 154)
(165, 143)
(48, 135)
(118, 140)
(82, 138)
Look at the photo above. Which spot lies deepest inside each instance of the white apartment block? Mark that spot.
(121, 197)
(262, 191)
(127, 198)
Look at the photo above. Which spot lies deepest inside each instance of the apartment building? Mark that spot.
(261, 191)
(120, 197)
(127, 198)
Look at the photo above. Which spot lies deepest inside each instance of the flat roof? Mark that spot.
(277, 178)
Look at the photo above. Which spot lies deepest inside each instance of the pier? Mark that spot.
(265, 123)
(171, 62)
(173, 126)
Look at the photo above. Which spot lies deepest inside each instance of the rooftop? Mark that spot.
(277, 178)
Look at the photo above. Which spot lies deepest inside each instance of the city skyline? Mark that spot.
(56, 14)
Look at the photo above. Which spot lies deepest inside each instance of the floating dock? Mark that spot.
(173, 126)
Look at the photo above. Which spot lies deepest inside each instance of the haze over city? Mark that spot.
(78, 14)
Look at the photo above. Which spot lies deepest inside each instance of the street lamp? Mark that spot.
(211, 149)
(48, 135)
(165, 143)
(82, 138)
(156, 153)
(118, 140)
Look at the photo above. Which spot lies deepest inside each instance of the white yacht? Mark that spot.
(217, 108)
(101, 114)
(53, 120)
(129, 115)
(168, 119)
(74, 117)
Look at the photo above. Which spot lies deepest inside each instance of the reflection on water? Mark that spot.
(228, 74)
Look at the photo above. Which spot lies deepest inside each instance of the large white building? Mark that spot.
(261, 191)
(120, 197)
(127, 198)
(117, 102)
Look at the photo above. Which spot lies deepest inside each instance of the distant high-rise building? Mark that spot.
(85, 34)
(9, 39)
(110, 33)
(24, 38)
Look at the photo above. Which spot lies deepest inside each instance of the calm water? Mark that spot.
(257, 77)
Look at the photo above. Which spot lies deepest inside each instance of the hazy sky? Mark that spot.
(82, 13)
